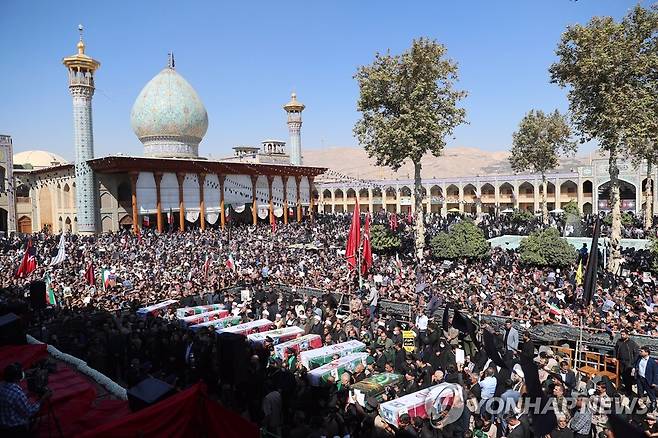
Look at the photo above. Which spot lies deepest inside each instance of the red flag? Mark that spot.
(410, 218)
(206, 267)
(367, 249)
(29, 261)
(354, 238)
(273, 223)
(89, 275)
(393, 221)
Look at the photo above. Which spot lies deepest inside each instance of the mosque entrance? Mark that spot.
(627, 192)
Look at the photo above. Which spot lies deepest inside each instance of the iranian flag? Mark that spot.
(106, 278)
(554, 310)
(50, 292)
(230, 263)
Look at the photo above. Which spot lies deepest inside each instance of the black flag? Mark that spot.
(444, 321)
(463, 323)
(491, 350)
(591, 272)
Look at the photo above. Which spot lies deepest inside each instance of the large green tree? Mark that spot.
(605, 66)
(463, 240)
(537, 145)
(641, 102)
(408, 106)
(546, 248)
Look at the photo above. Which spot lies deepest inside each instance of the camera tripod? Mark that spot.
(49, 415)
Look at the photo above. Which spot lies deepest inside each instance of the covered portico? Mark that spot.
(201, 191)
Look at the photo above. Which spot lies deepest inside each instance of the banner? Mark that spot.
(374, 386)
(320, 356)
(409, 340)
(278, 335)
(203, 317)
(187, 311)
(336, 368)
(303, 343)
(220, 323)
(155, 309)
(259, 325)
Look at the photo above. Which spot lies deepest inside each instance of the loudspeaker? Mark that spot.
(38, 295)
(11, 330)
(148, 392)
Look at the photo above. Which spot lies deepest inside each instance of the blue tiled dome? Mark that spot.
(168, 116)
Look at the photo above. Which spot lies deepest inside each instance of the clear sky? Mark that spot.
(245, 57)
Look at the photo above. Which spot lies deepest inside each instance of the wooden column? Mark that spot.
(201, 177)
(298, 180)
(158, 200)
(270, 180)
(312, 200)
(133, 198)
(181, 202)
(284, 178)
(254, 201)
(222, 214)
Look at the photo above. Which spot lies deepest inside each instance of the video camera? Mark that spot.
(37, 376)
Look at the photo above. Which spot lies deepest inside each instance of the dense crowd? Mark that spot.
(99, 324)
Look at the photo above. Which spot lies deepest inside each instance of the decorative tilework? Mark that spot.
(168, 116)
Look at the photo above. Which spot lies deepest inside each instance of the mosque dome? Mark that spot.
(168, 116)
(38, 159)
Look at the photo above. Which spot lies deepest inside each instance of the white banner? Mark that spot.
(237, 189)
(291, 189)
(191, 215)
(212, 217)
(146, 193)
(169, 192)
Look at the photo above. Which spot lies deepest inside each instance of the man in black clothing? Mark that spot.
(626, 352)
(528, 347)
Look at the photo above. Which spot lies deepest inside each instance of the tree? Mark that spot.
(641, 108)
(625, 218)
(408, 107)
(522, 217)
(607, 68)
(383, 240)
(538, 144)
(547, 248)
(464, 239)
(571, 209)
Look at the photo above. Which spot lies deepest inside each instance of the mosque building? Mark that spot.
(170, 186)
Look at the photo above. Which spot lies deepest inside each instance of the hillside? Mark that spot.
(458, 161)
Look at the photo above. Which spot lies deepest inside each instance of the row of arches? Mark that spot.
(453, 191)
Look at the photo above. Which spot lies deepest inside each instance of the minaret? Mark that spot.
(294, 110)
(81, 85)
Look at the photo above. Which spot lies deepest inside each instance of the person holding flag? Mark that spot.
(50, 291)
(90, 277)
(29, 261)
(366, 264)
(61, 251)
(354, 238)
(206, 267)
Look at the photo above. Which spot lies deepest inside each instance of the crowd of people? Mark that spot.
(98, 323)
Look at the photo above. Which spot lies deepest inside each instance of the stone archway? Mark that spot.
(627, 196)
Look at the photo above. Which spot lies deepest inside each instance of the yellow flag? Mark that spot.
(579, 273)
